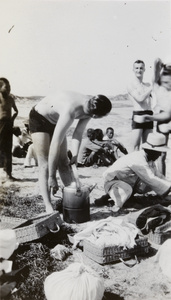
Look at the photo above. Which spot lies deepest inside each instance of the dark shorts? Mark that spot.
(38, 123)
(145, 125)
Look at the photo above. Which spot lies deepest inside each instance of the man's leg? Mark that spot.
(120, 192)
(41, 142)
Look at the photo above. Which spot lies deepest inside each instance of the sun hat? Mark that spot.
(156, 142)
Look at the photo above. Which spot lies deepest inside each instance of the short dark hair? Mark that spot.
(138, 61)
(109, 128)
(99, 105)
(90, 133)
(98, 134)
(166, 70)
(6, 83)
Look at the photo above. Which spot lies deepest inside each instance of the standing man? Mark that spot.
(162, 110)
(139, 93)
(7, 103)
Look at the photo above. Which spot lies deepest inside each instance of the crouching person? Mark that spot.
(136, 173)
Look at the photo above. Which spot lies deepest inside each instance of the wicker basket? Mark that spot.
(160, 235)
(114, 253)
(10, 223)
(32, 229)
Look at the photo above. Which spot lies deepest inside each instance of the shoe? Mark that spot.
(102, 201)
(10, 178)
(28, 166)
(151, 224)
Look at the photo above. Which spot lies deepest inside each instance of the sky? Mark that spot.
(84, 46)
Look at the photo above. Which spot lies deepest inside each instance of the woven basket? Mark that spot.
(10, 223)
(160, 235)
(114, 253)
(35, 228)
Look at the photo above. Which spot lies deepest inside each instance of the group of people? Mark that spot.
(151, 102)
(50, 119)
(99, 149)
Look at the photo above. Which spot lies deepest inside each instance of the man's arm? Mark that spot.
(163, 116)
(77, 137)
(157, 69)
(137, 94)
(159, 185)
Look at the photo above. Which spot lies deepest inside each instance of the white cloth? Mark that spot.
(109, 232)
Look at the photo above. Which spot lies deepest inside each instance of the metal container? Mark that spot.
(76, 204)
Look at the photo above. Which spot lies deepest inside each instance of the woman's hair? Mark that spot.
(6, 83)
(99, 105)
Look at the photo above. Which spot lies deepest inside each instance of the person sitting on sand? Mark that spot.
(93, 151)
(49, 121)
(162, 109)
(139, 93)
(117, 147)
(17, 147)
(136, 172)
(88, 150)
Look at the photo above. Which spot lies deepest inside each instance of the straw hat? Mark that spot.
(156, 142)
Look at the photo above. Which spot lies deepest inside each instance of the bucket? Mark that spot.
(76, 205)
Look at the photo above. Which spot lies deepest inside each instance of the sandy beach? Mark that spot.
(143, 281)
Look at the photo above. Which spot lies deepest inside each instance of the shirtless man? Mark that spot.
(49, 121)
(139, 93)
(162, 110)
(7, 103)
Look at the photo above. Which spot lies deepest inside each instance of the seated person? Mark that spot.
(27, 140)
(86, 155)
(136, 173)
(91, 149)
(17, 148)
(117, 147)
(106, 155)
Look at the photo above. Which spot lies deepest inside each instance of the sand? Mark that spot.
(143, 281)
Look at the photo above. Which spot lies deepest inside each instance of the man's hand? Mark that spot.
(53, 185)
(148, 118)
